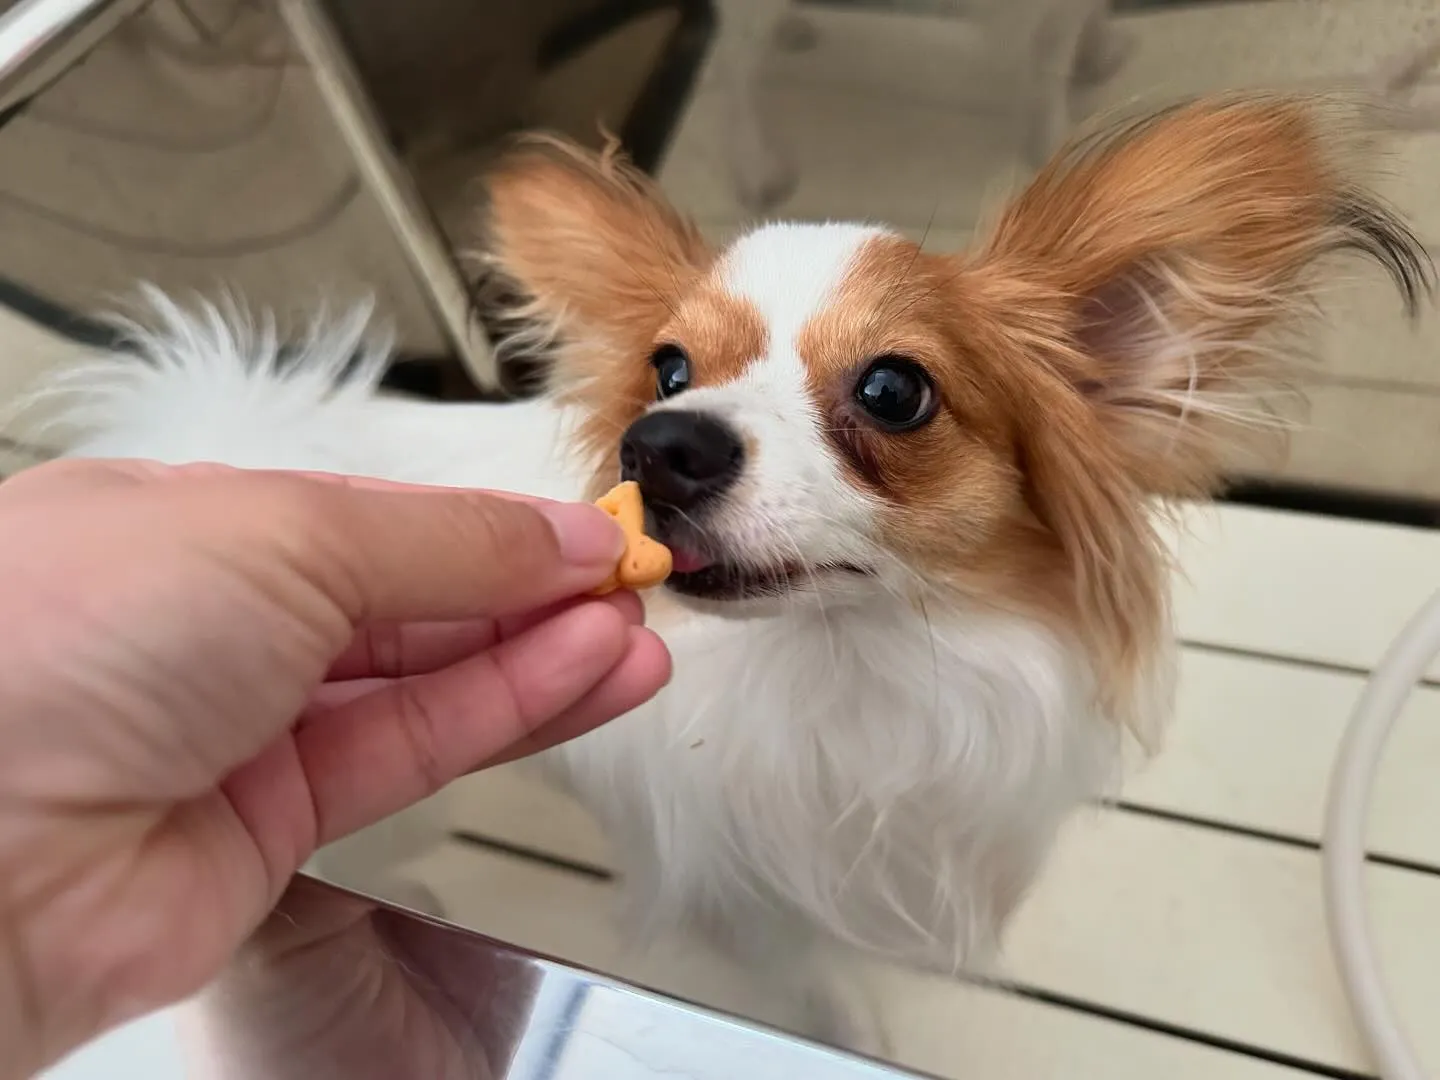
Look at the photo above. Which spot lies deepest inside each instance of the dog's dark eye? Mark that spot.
(896, 393)
(672, 370)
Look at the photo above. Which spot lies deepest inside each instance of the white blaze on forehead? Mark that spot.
(793, 500)
(789, 273)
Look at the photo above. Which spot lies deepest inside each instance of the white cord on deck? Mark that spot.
(1343, 852)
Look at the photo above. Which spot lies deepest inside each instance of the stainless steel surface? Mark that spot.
(537, 1018)
(38, 37)
(387, 180)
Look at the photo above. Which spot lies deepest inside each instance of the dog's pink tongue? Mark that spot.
(687, 562)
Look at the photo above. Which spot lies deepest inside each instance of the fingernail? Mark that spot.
(588, 536)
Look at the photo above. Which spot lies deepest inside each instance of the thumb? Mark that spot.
(444, 553)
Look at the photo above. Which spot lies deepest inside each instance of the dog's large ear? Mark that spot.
(1141, 290)
(1173, 260)
(582, 257)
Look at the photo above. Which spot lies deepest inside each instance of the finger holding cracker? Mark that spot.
(646, 562)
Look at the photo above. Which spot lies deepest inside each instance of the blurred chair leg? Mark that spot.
(390, 183)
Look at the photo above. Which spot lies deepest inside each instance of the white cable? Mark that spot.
(1343, 851)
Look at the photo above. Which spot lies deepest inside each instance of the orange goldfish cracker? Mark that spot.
(646, 562)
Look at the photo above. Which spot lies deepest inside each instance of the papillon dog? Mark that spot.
(919, 605)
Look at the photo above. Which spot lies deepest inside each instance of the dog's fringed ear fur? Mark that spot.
(1153, 283)
(586, 257)
(1177, 258)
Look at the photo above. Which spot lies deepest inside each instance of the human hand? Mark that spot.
(210, 673)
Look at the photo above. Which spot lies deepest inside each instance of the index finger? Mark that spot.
(370, 483)
(436, 553)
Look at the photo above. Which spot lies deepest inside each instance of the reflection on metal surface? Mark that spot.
(32, 28)
(41, 38)
(534, 1018)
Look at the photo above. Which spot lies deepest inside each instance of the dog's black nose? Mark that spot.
(679, 458)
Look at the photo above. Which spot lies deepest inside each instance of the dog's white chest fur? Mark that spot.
(892, 780)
